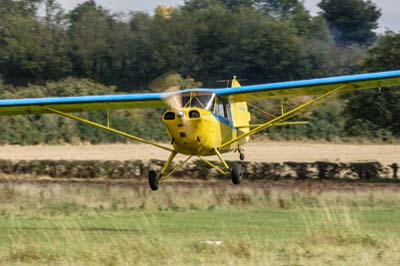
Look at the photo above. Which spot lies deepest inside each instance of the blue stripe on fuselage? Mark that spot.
(223, 120)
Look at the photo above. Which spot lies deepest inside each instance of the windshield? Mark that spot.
(204, 100)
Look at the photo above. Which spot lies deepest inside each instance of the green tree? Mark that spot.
(280, 9)
(376, 113)
(193, 5)
(88, 26)
(30, 51)
(101, 44)
(351, 21)
(87, 30)
(139, 21)
(162, 44)
(246, 43)
(26, 8)
(385, 55)
(237, 4)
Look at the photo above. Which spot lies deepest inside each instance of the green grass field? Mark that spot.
(292, 224)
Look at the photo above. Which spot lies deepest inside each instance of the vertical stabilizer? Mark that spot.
(240, 113)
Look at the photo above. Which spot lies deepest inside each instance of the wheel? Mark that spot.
(241, 156)
(153, 180)
(236, 174)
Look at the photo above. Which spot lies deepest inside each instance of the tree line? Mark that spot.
(43, 46)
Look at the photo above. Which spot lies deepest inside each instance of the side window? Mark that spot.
(227, 111)
(222, 109)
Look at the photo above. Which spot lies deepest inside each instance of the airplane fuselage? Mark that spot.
(196, 131)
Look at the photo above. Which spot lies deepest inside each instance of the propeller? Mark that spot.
(174, 101)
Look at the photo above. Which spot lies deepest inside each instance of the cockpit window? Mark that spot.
(222, 109)
(199, 99)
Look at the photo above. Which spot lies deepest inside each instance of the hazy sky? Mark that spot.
(389, 19)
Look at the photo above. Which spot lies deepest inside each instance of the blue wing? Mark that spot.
(311, 87)
(245, 93)
(81, 104)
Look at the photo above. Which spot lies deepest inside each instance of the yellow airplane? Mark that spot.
(203, 122)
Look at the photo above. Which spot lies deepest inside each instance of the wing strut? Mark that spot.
(279, 120)
(110, 129)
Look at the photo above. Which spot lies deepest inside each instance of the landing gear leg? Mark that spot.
(241, 155)
(153, 178)
(236, 171)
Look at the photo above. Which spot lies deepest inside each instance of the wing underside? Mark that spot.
(326, 89)
(80, 104)
(311, 87)
(245, 93)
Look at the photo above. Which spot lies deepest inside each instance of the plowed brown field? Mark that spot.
(257, 152)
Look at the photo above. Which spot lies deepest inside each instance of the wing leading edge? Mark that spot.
(310, 87)
(154, 100)
(81, 104)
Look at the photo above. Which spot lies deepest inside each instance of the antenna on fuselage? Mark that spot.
(229, 81)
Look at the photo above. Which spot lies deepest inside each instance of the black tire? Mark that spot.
(236, 174)
(153, 180)
(241, 156)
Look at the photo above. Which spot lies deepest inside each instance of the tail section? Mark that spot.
(240, 113)
(235, 83)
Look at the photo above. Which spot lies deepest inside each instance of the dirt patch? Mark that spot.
(255, 152)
